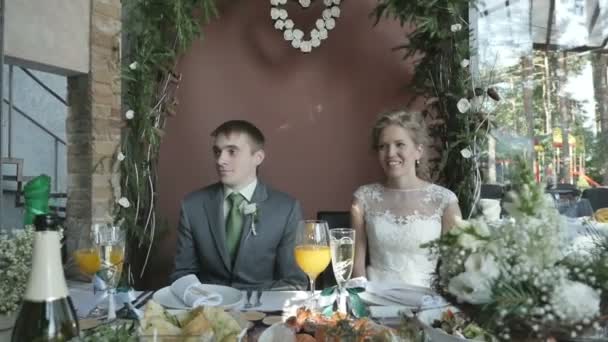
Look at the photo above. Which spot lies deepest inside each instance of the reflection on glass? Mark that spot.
(544, 61)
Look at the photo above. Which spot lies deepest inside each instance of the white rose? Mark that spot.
(466, 153)
(288, 24)
(282, 2)
(124, 202)
(130, 114)
(335, 11)
(288, 34)
(463, 105)
(469, 241)
(484, 264)
(456, 27)
(120, 156)
(249, 208)
(320, 23)
(314, 34)
(481, 228)
(315, 42)
(330, 23)
(464, 63)
(471, 287)
(296, 43)
(275, 13)
(305, 46)
(327, 2)
(336, 2)
(326, 14)
(305, 3)
(279, 24)
(283, 14)
(274, 2)
(575, 300)
(298, 34)
(133, 66)
(323, 34)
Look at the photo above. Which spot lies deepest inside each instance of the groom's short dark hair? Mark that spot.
(241, 126)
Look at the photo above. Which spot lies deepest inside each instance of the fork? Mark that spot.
(258, 301)
(248, 296)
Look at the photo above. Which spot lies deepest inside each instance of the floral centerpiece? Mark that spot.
(514, 277)
(15, 265)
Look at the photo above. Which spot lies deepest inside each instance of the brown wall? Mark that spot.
(315, 109)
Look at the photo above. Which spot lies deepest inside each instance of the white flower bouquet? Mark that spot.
(15, 265)
(512, 276)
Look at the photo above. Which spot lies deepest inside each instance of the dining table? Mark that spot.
(273, 304)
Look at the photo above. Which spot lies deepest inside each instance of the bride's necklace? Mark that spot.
(297, 37)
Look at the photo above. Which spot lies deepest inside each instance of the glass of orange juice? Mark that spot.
(312, 251)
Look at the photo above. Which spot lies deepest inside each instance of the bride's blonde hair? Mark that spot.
(415, 126)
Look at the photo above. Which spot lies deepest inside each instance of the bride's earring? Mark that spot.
(417, 162)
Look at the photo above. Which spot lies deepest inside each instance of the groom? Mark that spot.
(239, 232)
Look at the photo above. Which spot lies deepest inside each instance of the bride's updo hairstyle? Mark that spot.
(415, 127)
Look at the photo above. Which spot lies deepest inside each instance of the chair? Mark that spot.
(492, 191)
(598, 197)
(335, 219)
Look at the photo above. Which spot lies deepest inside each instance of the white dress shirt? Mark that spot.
(247, 192)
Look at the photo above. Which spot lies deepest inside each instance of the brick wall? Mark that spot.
(94, 124)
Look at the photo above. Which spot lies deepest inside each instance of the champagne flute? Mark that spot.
(342, 244)
(312, 250)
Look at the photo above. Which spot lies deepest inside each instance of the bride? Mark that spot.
(394, 217)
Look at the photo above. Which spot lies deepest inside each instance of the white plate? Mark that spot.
(278, 332)
(231, 298)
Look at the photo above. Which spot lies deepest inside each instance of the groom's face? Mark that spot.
(236, 159)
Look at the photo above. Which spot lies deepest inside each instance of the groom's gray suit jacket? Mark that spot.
(263, 260)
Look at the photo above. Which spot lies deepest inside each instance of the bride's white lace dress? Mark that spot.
(396, 223)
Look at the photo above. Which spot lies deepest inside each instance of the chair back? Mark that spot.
(335, 219)
(598, 197)
(492, 191)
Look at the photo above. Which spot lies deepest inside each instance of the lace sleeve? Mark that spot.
(449, 198)
(360, 196)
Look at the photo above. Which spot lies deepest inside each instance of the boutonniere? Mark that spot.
(251, 209)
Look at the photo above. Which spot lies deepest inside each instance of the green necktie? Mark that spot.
(234, 224)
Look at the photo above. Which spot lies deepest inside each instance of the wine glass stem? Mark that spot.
(312, 287)
(111, 305)
(341, 300)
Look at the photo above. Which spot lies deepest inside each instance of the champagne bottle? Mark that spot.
(47, 312)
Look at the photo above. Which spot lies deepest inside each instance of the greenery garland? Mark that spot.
(157, 33)
(442, 75)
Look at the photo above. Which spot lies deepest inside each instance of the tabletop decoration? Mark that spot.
(513, 276)
(355, 305)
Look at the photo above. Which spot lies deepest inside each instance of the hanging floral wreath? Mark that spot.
(305, 42)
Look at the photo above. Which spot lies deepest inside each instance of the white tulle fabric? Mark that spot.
(397, 222)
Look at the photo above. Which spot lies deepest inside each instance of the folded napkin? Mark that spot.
(410, 295)
(193, 293)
